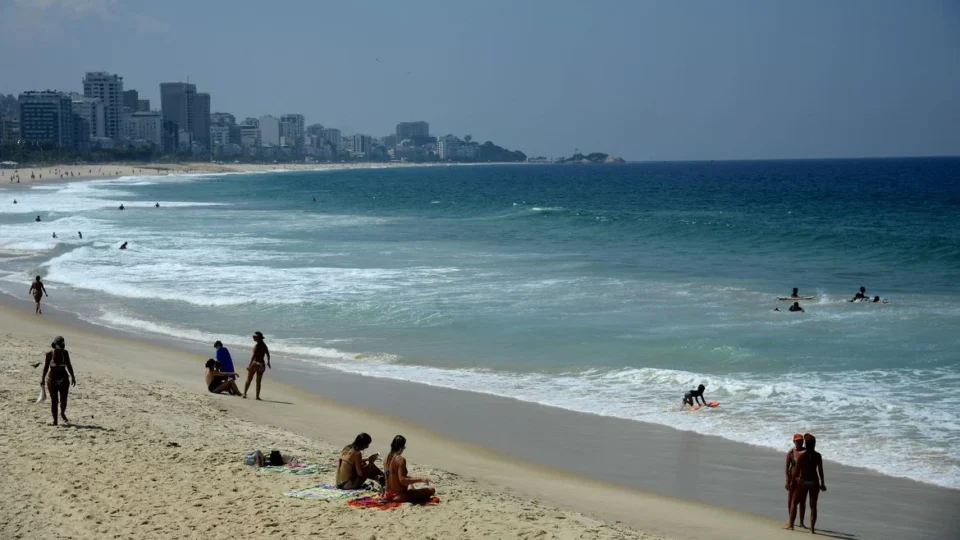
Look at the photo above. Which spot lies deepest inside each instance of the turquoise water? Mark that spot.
(602, 289)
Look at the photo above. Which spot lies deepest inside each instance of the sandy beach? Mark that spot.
(62, 173)
(151, 455)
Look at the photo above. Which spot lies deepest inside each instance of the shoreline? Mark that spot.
(551, 455)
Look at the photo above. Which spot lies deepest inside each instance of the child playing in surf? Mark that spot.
(690, 397)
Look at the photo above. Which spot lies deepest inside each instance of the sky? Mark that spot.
(645, 80)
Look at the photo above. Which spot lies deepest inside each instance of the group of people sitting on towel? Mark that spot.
(353, 471)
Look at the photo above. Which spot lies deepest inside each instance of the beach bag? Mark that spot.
(43, 394)
(276, 460)
(254, 458)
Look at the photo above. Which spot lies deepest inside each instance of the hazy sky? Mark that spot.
(670, 79)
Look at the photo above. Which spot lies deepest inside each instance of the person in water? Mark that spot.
(38, 219)
(224, 358)
(399, 482)
(58, 377)
(796, 307)
(123, 245)
(353, 470)
(54, 235)
(690, 397)
(808, 479)
(156, 205)
(257, 364)
(80, 234)
(860, 296)
(121, 208)
(790, 485)
(38, 291)
(795, 293)
(218, 381)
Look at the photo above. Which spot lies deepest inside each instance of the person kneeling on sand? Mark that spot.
(398, 481)
(218, 381)
(353, 470)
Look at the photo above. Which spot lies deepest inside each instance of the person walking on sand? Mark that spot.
(808, 477)
(56, 369)
(257, 364)
(790, 485)
(38, 291)
(399, 482)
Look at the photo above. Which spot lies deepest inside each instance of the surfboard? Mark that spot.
(795, 298)
(710, 404)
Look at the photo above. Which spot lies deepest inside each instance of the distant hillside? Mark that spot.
(595, 157)
(493, 153)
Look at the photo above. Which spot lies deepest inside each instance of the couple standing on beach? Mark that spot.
(221, 375)
(804, 477)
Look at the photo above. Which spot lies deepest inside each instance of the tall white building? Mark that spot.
(292, 130)
(145, 127)
(108, 88)
(448, 147)
(91, 110)
(249, 135)
(219, 135)
(333, 137)
(269, 131)
(362, 143)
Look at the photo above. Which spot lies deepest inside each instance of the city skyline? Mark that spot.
(644, 80)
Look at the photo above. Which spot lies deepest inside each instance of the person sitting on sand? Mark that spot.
(38, 291)
(796, 307)
(790, 485)
(860, 296)
(690, 397)
(257, 365)
(398, 481)
(218, 381)
(353, 470)
(224, 358)
(58, 376)
(808, 478)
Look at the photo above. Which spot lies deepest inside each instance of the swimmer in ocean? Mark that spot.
(860, 296)
(690, 397)
(38, 219)
(156, 205)
(796, 293)
(796, 307)
(121, 208)
(80, 234)
(123, 245)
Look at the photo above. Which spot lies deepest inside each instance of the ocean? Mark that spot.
(606, 289)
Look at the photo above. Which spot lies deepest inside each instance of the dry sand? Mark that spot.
(114, 474)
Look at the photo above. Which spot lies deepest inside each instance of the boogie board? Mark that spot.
(710, 404)
(795, 298)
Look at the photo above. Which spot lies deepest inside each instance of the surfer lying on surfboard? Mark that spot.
(690, 397)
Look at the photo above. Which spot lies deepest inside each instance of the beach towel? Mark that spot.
(384, 503)
(298, 470)
(328, 492)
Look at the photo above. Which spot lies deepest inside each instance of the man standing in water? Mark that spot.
(38, 291)
(808, 479)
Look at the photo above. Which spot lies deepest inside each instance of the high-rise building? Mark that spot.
(389, 141)
(108, 88)
(91, 110)
(315, 129)
(145, 127)
(143, 105)
(448, 147)
(46, 118)
(411, 130)
(201, 120)
(362, 143)
(249, 134)
(219, 135)
(333, 137)
(223, 119)
(269, 131)
(171, 136)
(292, 130)
(9, 130)
(130, 99)
(176, 104)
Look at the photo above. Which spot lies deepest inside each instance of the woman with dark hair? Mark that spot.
(398, 481)
(38, 290)
(218, 381)
(56, 369)
(259, 362)
(353, 470)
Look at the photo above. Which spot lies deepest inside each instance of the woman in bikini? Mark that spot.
(808, 477)
(353, 470)
(58, 377)
(218, 381)
(257, 364)
(398, 482)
